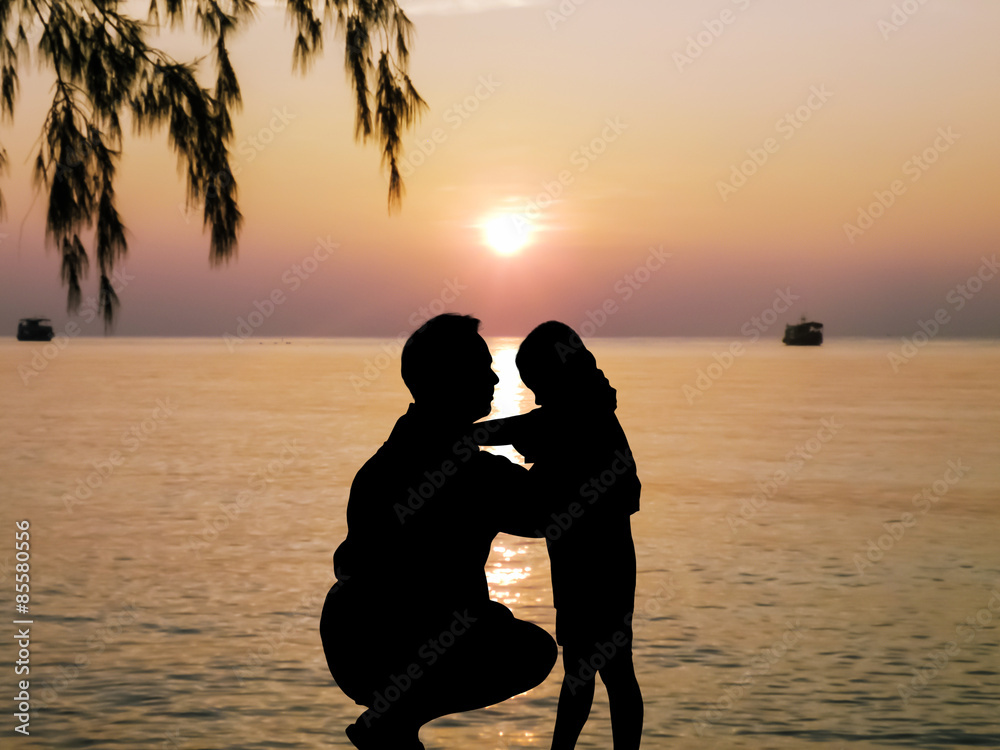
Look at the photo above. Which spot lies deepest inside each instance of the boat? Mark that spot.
(34, 329)
(803, 333)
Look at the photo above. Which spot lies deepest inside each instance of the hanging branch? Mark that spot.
(395, 102)
(103, 65)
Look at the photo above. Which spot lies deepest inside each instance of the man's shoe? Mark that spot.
(361, 738)
(369, 738)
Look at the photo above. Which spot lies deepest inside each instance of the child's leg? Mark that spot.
(575, 700)
(624, 701)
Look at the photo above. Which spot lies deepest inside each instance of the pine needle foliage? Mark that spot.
(106, 69)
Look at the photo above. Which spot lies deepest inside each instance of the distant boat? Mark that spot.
(804, 333)
(34, 329)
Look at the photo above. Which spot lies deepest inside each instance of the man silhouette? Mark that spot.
(409, 630)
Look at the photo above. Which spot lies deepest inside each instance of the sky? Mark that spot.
(669, 168)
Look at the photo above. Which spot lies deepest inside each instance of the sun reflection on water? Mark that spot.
(503, 573)
(509, 393)
(503, 577)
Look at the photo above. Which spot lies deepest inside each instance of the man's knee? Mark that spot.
(537, 649)
(549, 649)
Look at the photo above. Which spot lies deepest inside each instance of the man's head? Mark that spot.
(447, 366)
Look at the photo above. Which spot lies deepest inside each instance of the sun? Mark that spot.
(507, 233)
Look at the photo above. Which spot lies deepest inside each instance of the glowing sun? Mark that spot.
(506, 233)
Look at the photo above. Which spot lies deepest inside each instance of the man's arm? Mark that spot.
(515, 495)
(503, 431)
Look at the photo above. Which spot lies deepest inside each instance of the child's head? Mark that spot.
(554, 363)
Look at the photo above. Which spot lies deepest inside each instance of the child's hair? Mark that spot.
(552, 358)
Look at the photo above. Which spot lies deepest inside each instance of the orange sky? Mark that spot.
(737, 136)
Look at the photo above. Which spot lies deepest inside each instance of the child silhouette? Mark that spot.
(578, 447)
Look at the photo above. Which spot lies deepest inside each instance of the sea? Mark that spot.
(818, 551)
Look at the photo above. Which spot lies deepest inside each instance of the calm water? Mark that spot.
(818, 545)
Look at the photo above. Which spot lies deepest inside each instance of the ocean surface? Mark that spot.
(818, 543)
